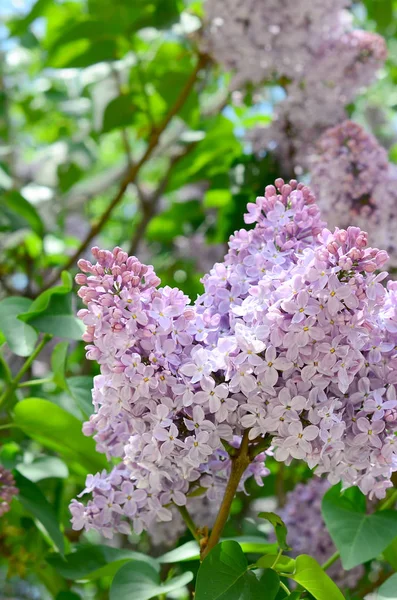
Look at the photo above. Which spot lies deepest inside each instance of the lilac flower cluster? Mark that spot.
(351, 167)
(310, 49)
(307, 533)
(293, 340)
(7, 490)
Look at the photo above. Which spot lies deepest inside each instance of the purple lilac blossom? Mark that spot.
(294, 338)
(307, 533)
(7, 490)
(351, 167)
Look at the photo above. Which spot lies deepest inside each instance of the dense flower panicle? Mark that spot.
(7, 490)
(351, 167)
(261, 40)
(293, 340)
(307, 533)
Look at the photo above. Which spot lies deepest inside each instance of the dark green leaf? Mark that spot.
(271, 583)
(25, 212)
(58, 364)
(20, 337)
(224, 575)
(357, 536)
(68, 596)
(311, 576)
(390, 554)
(119, 112)
(381, 11)
(34, 501)
(93, 562)
(279, 526)
(141, 580)
(60, 431)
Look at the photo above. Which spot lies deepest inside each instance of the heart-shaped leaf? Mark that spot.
(358, 537)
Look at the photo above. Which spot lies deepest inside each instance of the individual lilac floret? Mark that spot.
(307, 533)
(293, 342)
(7, 490)
(352, 180)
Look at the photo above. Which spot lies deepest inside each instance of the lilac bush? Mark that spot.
(291, 349)
(351, 167)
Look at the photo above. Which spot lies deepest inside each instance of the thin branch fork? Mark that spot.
(134, 170)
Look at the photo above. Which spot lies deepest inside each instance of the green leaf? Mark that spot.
(60, 431)
(279, 526)
(191, 550)
(80, 387)
(141, 580)
(27, 215)
(281, 563)
(20, 337)
(271, 583)
(34, 501)
(224, 575)
(388, 590)
(217, 198)
(51, 312)
(390, 554)
(44, 468)
(119, 112)
(58, 364)
(68, 596)
(381, 11)
(311, 576)
(357, 536)
(93, 562)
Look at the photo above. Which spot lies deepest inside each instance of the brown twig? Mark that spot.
(239, 464)
(375, 584)
(149, 203)
(134, 170)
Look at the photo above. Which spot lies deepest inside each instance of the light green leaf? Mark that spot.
(20, 337)
(388, 590)
(311, 576)
(281, 563)
(58, 364)
(141, 580)
(34, 501)
(60, 431)
(357, 536)
(93, 562)
(44, 468)
(191, 550)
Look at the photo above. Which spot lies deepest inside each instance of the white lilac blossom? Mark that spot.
(307, 533)
(351, 168)
(293, 342)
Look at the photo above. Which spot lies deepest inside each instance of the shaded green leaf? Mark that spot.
(60, 431)
(26, 212)
(20, 336)
(141, 580)
(357, 536)
(92, 562)
(119, 113)
(34, 501)
(271, 583)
